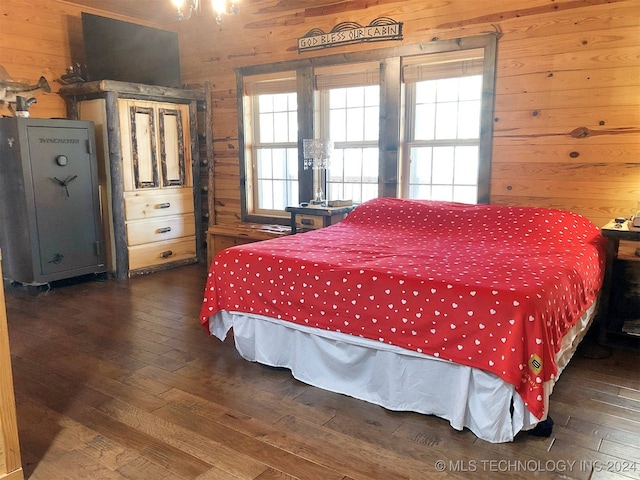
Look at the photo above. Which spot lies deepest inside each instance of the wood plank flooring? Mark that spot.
(117, 380)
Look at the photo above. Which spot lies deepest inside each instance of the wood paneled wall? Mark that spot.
(567, 113)
(42, 37)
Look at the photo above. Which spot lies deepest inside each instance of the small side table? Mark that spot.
(313, 217)
(225, 235)
(614, 232)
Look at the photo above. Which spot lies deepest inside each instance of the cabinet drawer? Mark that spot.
(158, 253)
(160, 229)
(309, 221)
(158, 204)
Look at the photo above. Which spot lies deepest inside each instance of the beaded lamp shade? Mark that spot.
(317, 152)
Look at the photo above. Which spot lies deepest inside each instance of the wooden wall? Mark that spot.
(567, 113)
(567, 118)
(42, 37)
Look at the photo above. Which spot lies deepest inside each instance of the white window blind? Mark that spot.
(435, 66)
(357, 75)
(269, 84)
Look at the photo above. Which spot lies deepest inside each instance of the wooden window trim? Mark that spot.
(390, 143)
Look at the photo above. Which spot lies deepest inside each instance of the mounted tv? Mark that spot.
(128, 52)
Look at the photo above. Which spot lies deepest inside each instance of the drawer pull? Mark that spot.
(166, 254)
(163, 205)
(163, 230)
(306, 221)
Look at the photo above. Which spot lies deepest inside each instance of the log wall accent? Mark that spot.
(567, 112)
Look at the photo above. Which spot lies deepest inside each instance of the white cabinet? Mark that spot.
(147, 138)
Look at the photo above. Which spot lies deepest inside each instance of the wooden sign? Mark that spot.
(382, 28)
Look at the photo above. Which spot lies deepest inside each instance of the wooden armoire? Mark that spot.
(147, 143)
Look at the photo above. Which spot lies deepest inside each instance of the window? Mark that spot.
(443, 112)
(413, 121)
(349, 111)
(273, 145)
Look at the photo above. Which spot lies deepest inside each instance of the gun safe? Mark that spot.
(50, 224)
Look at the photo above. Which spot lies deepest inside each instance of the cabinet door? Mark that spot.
(156, 145)
(144, 155)
(172, 148)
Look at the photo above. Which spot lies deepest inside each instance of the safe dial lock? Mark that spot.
(65, 183)
(62, 160)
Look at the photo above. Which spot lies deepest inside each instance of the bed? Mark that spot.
(466, 312)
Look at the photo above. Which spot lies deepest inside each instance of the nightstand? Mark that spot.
(614, 232)
(312, 217)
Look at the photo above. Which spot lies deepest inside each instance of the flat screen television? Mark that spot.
(128, 52)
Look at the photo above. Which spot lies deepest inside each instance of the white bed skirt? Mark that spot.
(392, 377)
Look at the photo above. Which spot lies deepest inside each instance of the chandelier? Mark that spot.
(222, 7)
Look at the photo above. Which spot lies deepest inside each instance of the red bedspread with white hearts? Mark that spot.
(492, 287)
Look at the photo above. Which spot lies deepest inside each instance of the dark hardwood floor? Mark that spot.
(118, 380)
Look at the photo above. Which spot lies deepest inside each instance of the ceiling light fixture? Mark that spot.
(186, 8)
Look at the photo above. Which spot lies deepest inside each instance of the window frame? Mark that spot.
(392, 150)
(352, 75)
(258, 145)
(411, 142)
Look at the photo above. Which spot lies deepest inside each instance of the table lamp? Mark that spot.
(317, 154)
